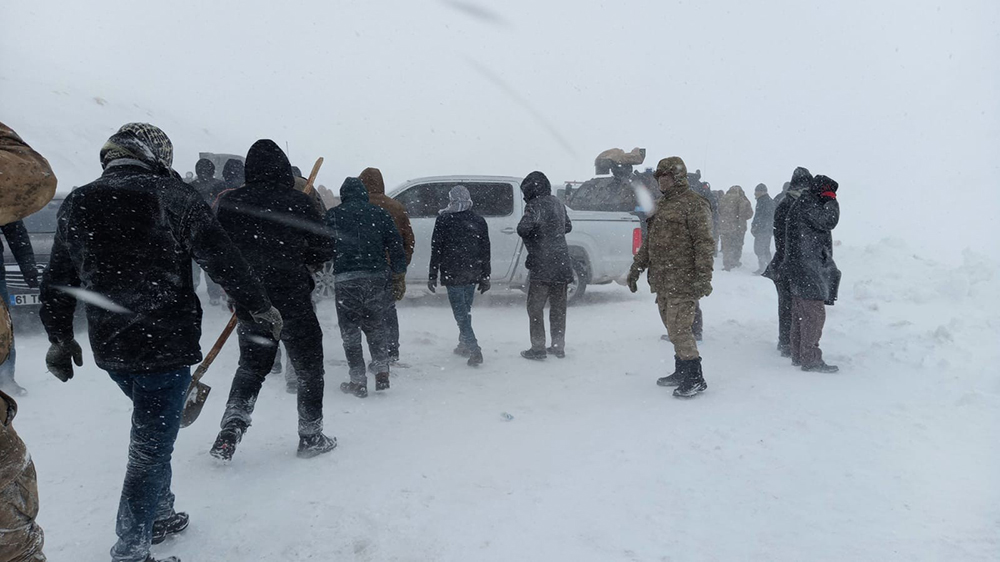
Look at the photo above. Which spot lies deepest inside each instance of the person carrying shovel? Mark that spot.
(123, 246)
(280, 231)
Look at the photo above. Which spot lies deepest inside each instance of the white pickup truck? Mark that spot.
(601, 244)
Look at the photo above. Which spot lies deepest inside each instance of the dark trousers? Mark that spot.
(784, 316)
(391, 321)
(461, 298)
(762, 247)
(303, 339)
(554, 294)
(361, 305)
(157, 403)
(808, 318)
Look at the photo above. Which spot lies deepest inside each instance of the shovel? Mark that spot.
(197, 393)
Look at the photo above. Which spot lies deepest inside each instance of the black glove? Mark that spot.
(432, 285)
(31, 280)
(60, 359)
(484, 286)
(633, 278)
(270, 319)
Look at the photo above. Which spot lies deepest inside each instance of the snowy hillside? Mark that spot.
(892, 459)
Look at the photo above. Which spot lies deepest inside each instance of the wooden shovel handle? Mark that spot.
(312, 176)
(214, 352)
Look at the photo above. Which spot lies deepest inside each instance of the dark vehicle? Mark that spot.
(41, 228)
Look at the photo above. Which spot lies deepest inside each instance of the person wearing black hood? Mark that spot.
(762, 227)
(543, 228)
(801, 181)
(280, 231)
(364, 235)
(124, 245)
(209, 187)
(812, 275)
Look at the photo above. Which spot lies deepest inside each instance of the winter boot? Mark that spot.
(694, 382)
(169, 526)
(314, 445)
(476, 358)
(463, 350)
(820, 367)
(557, 351)
(534, 354)
(674, 379)
(382, 381)
(229, 437)
(355, 388)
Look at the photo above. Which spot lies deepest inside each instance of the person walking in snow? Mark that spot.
(123, 245)
(372, 178)
(26, 185)
(20, 245)
(734, 212)
(678, 253)
(813, 277)
(460, 251)
(801, 181)
(365, 281)
(280, 232)
(762, 227)
(543, 228)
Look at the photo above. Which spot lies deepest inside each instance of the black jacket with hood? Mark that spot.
(127, 240)
(801, 182)
(278, 229)
(363, 236)
(808, 266)
(543, 228)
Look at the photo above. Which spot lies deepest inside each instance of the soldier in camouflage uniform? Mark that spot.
(678, 252)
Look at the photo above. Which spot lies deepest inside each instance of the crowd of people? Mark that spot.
(261, 232)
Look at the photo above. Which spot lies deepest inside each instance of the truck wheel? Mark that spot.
(325, 287)
(578, 287)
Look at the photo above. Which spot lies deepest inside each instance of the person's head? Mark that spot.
(801, 179)
(142, 144)
(671, 174)
(372, 178)
(352, 190)
(205, 169)
(535, 185)
(824, 185)
(760, 190)
(786, 185)
(459, 199)
(233, 172)
(267, 164)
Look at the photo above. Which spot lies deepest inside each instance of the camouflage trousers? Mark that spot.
(678, 316)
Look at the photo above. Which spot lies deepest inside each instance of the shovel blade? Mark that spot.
(196, 397)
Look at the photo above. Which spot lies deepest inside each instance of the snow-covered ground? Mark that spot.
(894, 458)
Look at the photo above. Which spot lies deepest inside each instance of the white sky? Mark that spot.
(897, 100)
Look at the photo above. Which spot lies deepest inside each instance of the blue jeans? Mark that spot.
(461, 298)
(7, 367)
(157, 403)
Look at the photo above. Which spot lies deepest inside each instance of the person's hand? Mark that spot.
(399, 286)
(270, 320)
(31, 280)
(61, 356)
(432, 285)
(633, 278)
(703, 288)
(484, 286)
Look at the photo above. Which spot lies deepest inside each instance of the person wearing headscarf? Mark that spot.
(460, 253)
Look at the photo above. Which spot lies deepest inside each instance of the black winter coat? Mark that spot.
(763, 217)
(127, 240)
(808, 265)
(20, 245)
(278, 229)
(363, 234)
(773, 271)
(543, 228)
(460, 249)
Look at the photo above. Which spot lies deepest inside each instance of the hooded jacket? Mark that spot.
(801, 181)
(278, 230)
(808, 265)
(127, 239)
(734, 212)
(763, 217)
(679, 248)
(543, 228)
(20, 536)
(363, 236)
(372, 178)
(206, 183)
(460, 249)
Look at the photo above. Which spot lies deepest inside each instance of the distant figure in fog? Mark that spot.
(543, 228)
(460, 251)
(734, 213)
(762, 227)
